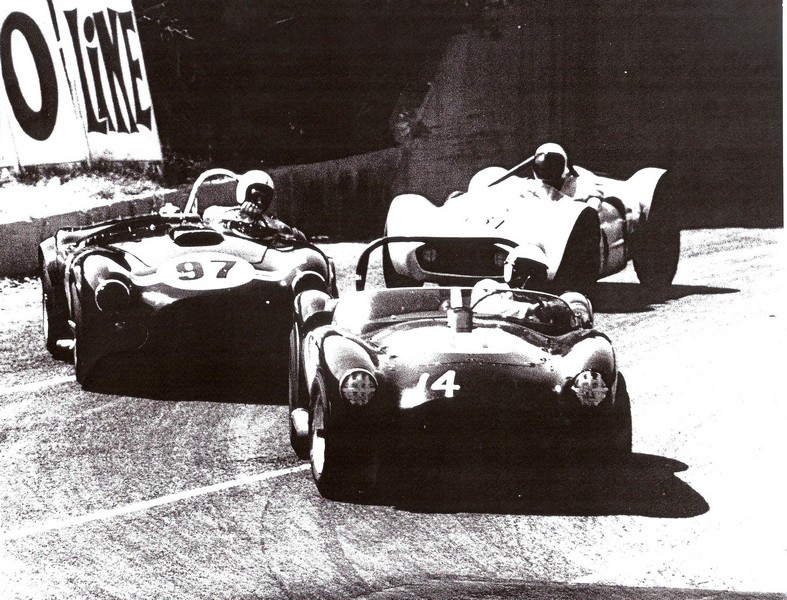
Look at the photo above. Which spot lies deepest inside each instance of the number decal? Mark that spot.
(228, 264)
(189, 270)
(206, 271)
(446, 383)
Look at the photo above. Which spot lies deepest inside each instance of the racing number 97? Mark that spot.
(192, 269)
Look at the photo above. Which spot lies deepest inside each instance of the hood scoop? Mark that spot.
(191, 236)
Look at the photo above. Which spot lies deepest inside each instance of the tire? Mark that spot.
(656, 245)
(657, 253)
(339, 467)
(54, 325)
(297, 397)
(394, 279)
(80, 370)
(579, 269)
(621, 430)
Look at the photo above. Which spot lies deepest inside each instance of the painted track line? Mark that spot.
(99, 515)
(36, 385)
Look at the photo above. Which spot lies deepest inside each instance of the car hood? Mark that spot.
(154, 251)
(433, 344)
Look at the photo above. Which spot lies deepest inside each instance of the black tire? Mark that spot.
(622, 430)
(394, 279)
(297, 397)
(656, 244)
(80, 369)
(657, 252)
(54, 324)
(341, 469)
(579, 269)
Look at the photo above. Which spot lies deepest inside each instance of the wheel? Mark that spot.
(579, 269)
(80, 369)
(394, 279)
(296, 393)
(621, 440)
(340, 468)
(657, 252)
(54, 325)
(656, 245)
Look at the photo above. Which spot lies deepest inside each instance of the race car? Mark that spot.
(173, 284)
(581, 243)
(483, 373)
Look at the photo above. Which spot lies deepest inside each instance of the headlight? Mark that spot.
(429, 255)
(358, 386)
(590, 388)
(112, 294)
(500, 258)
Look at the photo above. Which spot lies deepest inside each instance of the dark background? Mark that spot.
(693, 86)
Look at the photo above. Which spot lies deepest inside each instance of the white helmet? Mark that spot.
(550, 163)
(526, 266)
(255, 187)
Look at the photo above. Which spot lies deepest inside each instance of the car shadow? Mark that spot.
(180, 380)
(620, 297)
(646, 485)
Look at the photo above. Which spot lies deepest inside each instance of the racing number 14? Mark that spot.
(445, 383)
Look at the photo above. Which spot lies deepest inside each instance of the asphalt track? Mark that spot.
(128, 496)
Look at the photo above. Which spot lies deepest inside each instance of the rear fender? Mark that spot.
(640, 189)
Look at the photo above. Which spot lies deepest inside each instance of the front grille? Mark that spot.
(469, 258)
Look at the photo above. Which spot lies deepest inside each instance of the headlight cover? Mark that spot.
(358, 386)
(112, 295)
(589, 388)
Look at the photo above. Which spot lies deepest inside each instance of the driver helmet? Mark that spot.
(526, 267)
(254, 193)
(550, 164)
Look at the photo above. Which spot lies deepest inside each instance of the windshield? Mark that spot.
(362, 311)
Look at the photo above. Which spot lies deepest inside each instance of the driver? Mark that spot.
(555, 180)
(254, 193)
(525, 268)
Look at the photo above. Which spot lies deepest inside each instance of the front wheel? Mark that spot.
(55, 327)
(394, 279)
(340, 469)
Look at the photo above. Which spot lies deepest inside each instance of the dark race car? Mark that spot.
(477, 373)
(173, 285)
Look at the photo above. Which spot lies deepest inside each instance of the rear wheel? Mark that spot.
(657, 253)
(394, 279)
(656, 245)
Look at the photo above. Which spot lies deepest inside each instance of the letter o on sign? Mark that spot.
(37, 124)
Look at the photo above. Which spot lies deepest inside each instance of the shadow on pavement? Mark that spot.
(614, 297)
(645, 485)
(170, 379)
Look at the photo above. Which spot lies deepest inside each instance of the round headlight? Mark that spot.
(500, 258)
(358, 386)
(112, 294)
(590, 388)
(429, 255)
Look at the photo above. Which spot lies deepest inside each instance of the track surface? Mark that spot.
(120, 496)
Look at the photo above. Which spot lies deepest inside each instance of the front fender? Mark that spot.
(341, 354)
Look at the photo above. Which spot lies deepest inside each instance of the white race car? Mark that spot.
(581, 241)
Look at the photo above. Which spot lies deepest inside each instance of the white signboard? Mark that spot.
(74, 83)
